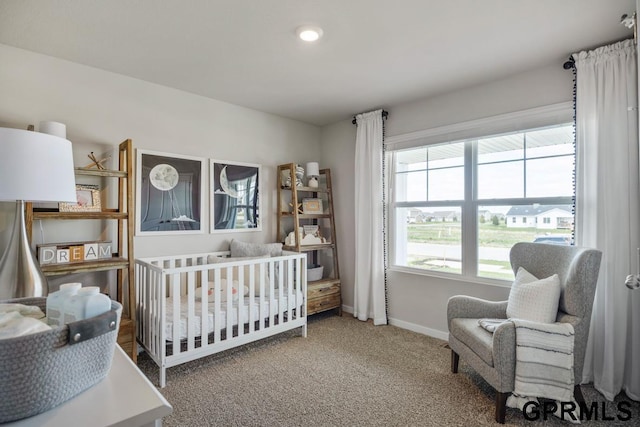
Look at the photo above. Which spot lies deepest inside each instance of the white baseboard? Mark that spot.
(420, 329)
(410, 326)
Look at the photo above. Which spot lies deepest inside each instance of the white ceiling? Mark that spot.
(373, 54)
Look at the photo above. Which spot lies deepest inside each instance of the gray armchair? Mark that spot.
(493, 355)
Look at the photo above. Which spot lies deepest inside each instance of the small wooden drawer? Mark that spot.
(321, 304)
(322, 291)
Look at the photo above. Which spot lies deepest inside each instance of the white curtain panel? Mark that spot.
(369, 292)
(608, 210)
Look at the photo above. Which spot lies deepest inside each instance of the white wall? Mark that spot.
(101, 109)
(338, 154)
(419, 302)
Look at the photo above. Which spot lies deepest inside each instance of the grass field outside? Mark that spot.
(489, 236)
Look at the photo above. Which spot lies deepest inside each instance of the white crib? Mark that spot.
(182, 314)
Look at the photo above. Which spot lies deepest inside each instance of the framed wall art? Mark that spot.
(235, 196)
(88, 200)
(169, 193)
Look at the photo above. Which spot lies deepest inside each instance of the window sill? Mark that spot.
(450, 276)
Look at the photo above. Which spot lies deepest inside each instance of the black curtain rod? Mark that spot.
(384, 116)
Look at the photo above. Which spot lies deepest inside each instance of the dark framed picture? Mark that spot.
(88, 200)
(235, 196)
(169, 193)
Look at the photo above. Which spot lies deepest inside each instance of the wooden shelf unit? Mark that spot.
(324, 294)
(122, 261)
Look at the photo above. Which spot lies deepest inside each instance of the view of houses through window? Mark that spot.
(445, 220)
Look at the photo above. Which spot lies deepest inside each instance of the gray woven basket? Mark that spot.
(40, 371)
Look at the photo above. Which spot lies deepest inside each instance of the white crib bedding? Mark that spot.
(269, 304)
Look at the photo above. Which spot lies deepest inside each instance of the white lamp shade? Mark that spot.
(313, 169)
(36, 167)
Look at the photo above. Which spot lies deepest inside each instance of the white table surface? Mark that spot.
(125, 398)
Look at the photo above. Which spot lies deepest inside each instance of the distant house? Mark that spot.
(445, 216)
(416, 215)
(488, 215)
(541, 216)
(485, 214)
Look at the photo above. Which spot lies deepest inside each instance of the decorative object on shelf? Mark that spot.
(169, 197)
(299, 175)
(99, 164)
(87, 200)
(290, 240)
(235, 196)
(34, 166)
(312, 206)
(299, 207)
(313, 173)
(312, 235)
(314, 272)
(66, 252)
(285, 177)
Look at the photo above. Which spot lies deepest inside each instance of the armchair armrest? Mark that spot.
(461, 306)
(504, 354)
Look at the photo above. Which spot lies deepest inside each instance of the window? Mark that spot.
(459, 206)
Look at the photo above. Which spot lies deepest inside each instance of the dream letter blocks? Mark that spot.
(62, 253)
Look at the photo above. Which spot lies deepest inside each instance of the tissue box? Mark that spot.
(40, 371)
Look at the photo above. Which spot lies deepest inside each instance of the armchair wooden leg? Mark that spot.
(577, 394)
(455, 359)
(501, 406)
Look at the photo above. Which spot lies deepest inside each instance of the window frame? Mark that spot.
(521, 121)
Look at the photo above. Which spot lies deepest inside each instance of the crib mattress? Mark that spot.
(269, 305)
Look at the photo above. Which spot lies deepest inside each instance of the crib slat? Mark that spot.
(251, 296)
(217, 317)
(191, 310)
(154, 298)
(204, 312)
(290, 290)
(241, 281)
(175, 291)
(229, 303)
(262, 298)
(271, 296)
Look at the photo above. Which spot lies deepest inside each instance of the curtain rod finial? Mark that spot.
(569, 64)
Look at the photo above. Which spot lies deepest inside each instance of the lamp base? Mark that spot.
(20, 273)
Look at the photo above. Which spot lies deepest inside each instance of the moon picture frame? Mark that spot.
(169, 193)
(234, 196)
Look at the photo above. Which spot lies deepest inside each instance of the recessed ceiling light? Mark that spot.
(309, 33)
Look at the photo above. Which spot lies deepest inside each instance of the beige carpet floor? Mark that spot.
(345, 373)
